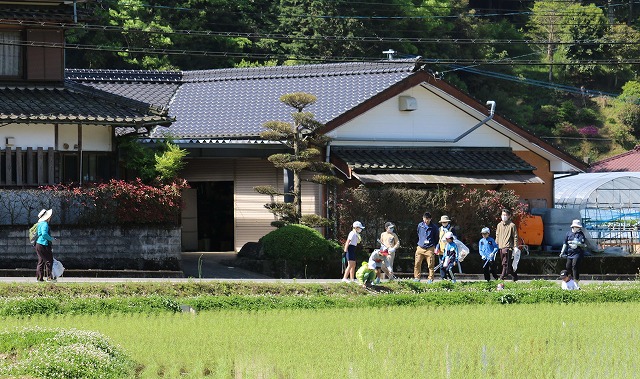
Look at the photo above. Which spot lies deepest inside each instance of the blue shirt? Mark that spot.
(427, 235)
(43, 233)
(579, 239)
(487, 246)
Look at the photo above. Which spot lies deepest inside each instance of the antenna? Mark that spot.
(389, 53)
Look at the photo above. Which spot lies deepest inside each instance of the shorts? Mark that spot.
(351, 253)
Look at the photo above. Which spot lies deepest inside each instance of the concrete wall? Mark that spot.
(104, 248)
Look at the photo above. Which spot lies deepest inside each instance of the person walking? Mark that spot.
(573, 248)
(507, 239)
(488, 248)
(445, 227)
(390, 242)
(43, 247)
(450, 258)
(427, 240)
(350, 250)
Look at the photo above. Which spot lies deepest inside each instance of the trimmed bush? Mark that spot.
(298, 243)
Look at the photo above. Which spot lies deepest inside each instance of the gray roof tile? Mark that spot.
(236, 102)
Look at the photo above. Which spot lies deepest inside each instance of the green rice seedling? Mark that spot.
(461, 341)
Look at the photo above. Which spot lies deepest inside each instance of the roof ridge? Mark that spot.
(632, 151)
(116, 75)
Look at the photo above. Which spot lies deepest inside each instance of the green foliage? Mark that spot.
(64, 354)
(630, 92)
(138, 158)
(170, 162)
(298, 242)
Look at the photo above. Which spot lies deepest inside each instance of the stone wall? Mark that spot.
(104, 248)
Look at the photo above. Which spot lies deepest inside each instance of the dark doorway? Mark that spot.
(215, 216)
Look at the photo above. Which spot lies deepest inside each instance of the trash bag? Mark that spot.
(57, 269)
(463, 250)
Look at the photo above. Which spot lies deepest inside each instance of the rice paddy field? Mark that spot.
(575, 340)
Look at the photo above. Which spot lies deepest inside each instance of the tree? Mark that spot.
(304, 140)
(545, 24)
(585, 23)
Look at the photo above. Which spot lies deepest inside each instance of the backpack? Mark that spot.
(33, 234)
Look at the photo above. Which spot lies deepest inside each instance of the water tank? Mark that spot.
(557, 222)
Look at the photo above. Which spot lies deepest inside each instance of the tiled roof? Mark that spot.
(431, 160)
(151, 87)
(35, 13)
(31, 104)
(629, 161)
(236, 102)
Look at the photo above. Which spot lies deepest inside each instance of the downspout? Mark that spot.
(75, 11)
(491, 113)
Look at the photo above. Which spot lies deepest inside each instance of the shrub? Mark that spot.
(298, 242)
(566, 129)
(588, 131)
(59, 353)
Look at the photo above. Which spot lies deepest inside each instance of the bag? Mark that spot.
(33, 234)
(57, 269)
(463, 250)
(516, 258)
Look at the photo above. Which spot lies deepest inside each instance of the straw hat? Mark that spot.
(45, 215)
(576, 224)
(444, 218)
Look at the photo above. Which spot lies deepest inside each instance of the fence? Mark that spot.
(28, 167)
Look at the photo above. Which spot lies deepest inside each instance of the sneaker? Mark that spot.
(416, 279)
(453, 280)
(346, 280)
(51, 280)
(429, 281)
(377, 281)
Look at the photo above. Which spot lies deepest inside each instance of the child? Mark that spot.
(488, 248)
(567, 282)
(350, 251)
(365, 274)
(449, 258)
(376, 259)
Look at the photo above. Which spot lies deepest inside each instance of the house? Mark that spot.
(390, 121)
(53, 130)
(628, 162)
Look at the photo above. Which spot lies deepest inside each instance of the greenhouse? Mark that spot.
(609, 204)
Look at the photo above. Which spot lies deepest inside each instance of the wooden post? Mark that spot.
(8, 166)
(19, 169)
(30, 173)
(51, 166)
(40, 163)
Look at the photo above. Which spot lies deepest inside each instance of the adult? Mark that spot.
(353, 239)
(389, 242)
(573, 248)
(507, 239)
(427, 240)
(43, 247)
(445, 227)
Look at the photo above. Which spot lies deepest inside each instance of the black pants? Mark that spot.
(489, 271)
(45, 260)
(573, 265)
(505, 258)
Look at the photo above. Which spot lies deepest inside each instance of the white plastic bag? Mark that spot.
(57, 269)
(516, 258)
(463, 250)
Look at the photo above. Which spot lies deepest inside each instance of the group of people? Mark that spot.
(439, 241)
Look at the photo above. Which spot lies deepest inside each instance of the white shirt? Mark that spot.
(353, 238)
(570, 285)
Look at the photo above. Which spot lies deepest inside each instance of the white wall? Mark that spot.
(94, 137)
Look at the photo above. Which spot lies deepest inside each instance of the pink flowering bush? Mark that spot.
(120, 202)
(588, 131)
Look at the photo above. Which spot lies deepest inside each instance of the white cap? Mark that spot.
(485, 230)
(358, 224)
(448, 235)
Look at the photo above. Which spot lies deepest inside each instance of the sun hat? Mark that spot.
(448, 235)
(43, 215)
(444, 218)
(576, 223)
(485, 230)
(358, 224)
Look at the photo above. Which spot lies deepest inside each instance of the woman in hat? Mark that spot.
(43, 246)
(573, 248)
(389, 241)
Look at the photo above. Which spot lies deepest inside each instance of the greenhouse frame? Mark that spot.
(609, 205)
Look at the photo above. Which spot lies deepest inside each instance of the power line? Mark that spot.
(162, 51)
(277, 36)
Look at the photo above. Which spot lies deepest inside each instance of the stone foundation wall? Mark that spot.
(104, 248)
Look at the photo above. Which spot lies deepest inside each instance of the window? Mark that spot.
(96, 167)
(10, 54)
